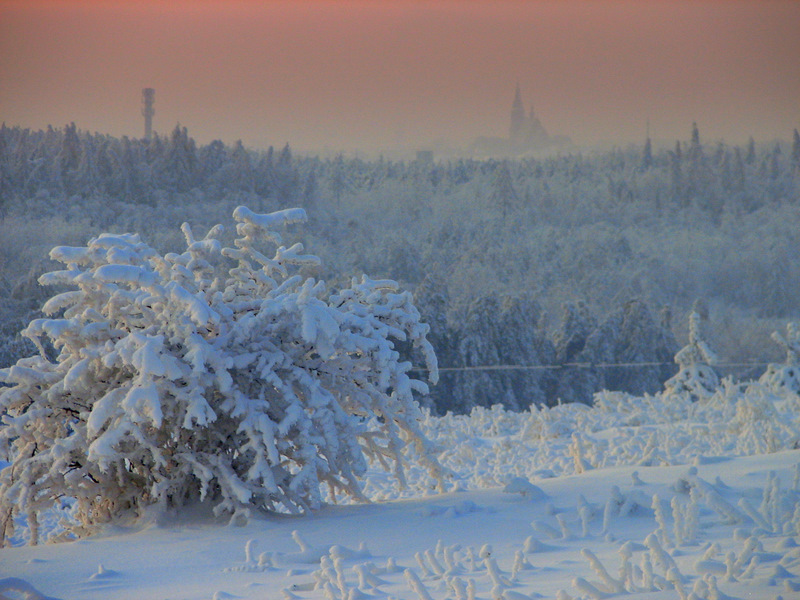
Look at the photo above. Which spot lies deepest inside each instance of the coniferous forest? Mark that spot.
(581, 268)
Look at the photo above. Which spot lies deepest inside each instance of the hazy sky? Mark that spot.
(351, 74)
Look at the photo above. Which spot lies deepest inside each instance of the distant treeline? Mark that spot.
(68, 162)
(535, 261)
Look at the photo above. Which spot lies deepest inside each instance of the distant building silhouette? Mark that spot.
(517, 128)
(526, 135)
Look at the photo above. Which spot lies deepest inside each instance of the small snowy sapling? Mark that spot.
(695, 378)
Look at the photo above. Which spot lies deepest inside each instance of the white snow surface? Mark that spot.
(643, 498)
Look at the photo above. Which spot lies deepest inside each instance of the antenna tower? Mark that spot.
(148, 99)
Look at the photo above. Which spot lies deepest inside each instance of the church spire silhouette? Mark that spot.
(517, 126)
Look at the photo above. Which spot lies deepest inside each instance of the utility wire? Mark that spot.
(585, 365)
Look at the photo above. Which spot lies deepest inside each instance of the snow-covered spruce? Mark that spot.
(219, 375)
(695, 378)
(785, 377)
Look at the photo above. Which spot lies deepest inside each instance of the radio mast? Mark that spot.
(148, 99)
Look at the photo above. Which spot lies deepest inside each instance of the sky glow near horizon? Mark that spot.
(348, 75)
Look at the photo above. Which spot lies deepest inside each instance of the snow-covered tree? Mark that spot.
(632, 338)
(503, 195)
(786, 376)
(498, 348)
(219, 375)
(695, 375)
(575, 383)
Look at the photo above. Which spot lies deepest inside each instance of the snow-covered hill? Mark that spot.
(645, 498)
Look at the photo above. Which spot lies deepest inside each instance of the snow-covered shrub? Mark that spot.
(219, 375)
(695, 376)
(786, 376)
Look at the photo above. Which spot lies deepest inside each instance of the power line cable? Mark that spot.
(587, 365)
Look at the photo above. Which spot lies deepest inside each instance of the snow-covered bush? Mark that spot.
(219, 375)
(695, 376)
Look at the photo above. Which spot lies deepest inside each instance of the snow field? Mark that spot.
(488, 447)
(643, 498)
(706, 540)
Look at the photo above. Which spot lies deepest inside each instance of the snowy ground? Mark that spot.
(647, 498)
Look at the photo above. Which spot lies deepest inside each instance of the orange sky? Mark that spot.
(371, 74)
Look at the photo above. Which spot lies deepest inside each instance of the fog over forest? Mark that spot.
(568, 262)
